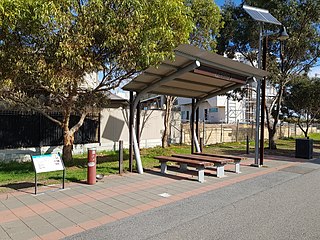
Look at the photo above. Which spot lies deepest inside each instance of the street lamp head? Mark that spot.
(283, 35)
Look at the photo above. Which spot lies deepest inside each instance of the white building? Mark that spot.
(218, 109)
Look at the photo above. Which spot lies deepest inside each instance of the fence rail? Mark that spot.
(219, 133)
(31, 129)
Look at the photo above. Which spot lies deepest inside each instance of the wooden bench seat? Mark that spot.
(217, 162)
(221, 156)
(199, 165)
(236, 159)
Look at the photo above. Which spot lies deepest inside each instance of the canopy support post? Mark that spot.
(131, 117)
(197, 130)
(192, 125)
(138, 123)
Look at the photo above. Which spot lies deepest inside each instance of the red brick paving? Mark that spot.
(38, 209)
(71, 230)
(53, 236)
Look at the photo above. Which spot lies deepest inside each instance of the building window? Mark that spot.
(206, 114)
(187, 115)
(213, 110)
(183, 113)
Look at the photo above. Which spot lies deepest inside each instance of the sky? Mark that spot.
(221, 2)
(315, 71)
(312, 73)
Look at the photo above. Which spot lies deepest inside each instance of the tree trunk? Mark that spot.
(272, 140)
(68, 133)
(68, 140)
(164, 139)
(274, 112)
(166, 131)
(167, 117)
(305, 132)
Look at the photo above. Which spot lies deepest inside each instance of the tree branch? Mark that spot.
(79, 123)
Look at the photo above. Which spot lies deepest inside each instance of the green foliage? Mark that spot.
(301, 18)
(302, 96)
(48, 48)
(302, 100)
(208, 22)
(297, 54)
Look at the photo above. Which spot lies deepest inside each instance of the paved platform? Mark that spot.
(55, 213)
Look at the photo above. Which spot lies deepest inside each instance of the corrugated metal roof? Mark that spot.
(214, 75)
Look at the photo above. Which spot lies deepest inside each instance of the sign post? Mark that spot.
(48, 163)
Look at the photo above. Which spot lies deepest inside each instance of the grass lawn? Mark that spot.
(15, 175)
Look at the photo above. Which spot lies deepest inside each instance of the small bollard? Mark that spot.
(92, 166)
(120, 157)
(247, 144)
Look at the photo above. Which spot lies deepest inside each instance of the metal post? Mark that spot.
(203, 132)
(120, 157)
(192, 125)
(197, 123)
(181, 133)
(196, 135)
(256, 156)
(35, 183)
(282, 56)
(263, 99)
(131, 117)
(63, 177)
(135, 140)
(138, 123)
(99, 128)
(247, 150)
(228, 109)
(237, 130)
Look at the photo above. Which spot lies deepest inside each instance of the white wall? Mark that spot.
(215, 114)
(114, 127)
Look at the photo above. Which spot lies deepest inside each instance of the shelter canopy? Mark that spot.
(194, 73)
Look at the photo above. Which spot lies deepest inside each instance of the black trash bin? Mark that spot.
(304, 148)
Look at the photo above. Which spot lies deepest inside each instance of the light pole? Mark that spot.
(283, 35)
(256, 149)
(262, 16)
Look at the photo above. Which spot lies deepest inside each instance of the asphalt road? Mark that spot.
(280, 205)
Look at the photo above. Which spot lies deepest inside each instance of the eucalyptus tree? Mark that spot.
(207, 21)
(47, 48)
(298, 54)
(301, 101)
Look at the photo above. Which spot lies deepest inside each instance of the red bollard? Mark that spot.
(92, 160)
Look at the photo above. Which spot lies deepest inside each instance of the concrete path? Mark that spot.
(258, 203)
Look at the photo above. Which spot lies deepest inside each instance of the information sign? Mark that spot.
(47, 163)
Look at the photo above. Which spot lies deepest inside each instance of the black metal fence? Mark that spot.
(30, 129)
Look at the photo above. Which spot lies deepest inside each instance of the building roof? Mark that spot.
(116, 101)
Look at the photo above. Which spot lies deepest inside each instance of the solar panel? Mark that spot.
(261, 15)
